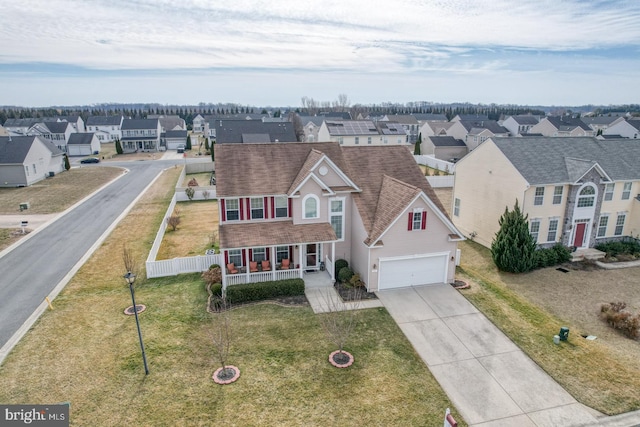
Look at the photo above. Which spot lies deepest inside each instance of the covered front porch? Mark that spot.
(271, 251)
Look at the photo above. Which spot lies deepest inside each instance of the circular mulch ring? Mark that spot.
(460, 284)
(226, 375)
(129, 310)
(340, 359)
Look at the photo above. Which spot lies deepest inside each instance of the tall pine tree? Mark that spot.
(416, 150)
(513, 246)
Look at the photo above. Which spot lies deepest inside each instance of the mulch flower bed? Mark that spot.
(226, 375)
(348, 293)
(460, 284)
(129, 310)
(340, 359)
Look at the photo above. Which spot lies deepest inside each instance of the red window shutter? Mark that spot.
(248, 200)
(410, 226)
(291, 253)
(226, 257)
(241, 206)
(267, 253)
(424, 220)
(224, 212)
(250, 254)
(266, 208)
(273, 207)
(244, 257)
(290, 213)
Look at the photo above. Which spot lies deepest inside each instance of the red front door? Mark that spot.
(579, 237)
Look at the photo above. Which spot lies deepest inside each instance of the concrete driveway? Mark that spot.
(487, 377)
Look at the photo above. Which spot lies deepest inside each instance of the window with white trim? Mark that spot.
(608, 191)
(336, 217)
(282, 252)
(26, 169)
(626, 191)
(539, 197)
(553, 230)
(232, 209)
(282, 207)
(369, 140)
(257, 208)
(357, 140)
(602, 225)
(557, 194)
(258, 254)
(456, 207)
(587, 197)
(417, 220)
(619, 224)
(534, 229)
(34, 169)
(310, 206)
(235, 257)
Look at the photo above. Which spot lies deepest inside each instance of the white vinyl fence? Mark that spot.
(434, 163)
(441, 181)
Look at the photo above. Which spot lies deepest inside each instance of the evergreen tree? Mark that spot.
(67, 165)
(416, 150)
(206, 144)
(513, 246)
(188, 147)
(213, 155)
(118, 147)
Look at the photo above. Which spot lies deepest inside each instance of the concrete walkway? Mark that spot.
(487, 377)
(322, 296)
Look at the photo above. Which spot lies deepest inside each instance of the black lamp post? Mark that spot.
(131, 278)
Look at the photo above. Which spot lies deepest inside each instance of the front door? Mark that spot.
(312, 256)
(578, 240)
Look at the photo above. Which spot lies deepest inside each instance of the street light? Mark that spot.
(131, 278)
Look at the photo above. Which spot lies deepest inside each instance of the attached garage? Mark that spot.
(83, 144)
(400, 272)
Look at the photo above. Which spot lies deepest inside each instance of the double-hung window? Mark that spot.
(417, 220)
(257, 208)
(232, 209)
(259, 254)
(282, 207)
(456, 207)
(587, 197)
(336, 217)
(602, 226)
(539, 197)
(535, 229)
(619, 224)
(608, 191)
(282, 252)
(626, 191)
(235, 257)
(553, 230)
(557, 194)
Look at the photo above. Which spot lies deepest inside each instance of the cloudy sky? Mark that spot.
(552, 52)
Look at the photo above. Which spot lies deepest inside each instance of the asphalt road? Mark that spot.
(31, 271)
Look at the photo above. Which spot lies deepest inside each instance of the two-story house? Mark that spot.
(25, 160)
(520, 124)
(140, 135)
(106, 128)
(56, 132)
(253, 131)
(408, 122)
(299, 207)
(576, 191)
(562, 126)
(362, 132)
(474, 133)
(625, 128)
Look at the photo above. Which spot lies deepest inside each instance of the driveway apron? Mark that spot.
(487, 377)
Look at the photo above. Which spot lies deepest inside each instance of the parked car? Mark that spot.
(181, 148)
(90, 160)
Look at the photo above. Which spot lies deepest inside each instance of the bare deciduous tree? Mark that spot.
(221, 336)
(129, 260)
(340, 320)
(173, 221)
(213, 238)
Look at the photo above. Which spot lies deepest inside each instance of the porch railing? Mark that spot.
(263, 276)
(329, 266)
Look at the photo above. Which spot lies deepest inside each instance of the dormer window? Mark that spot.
(310, 205)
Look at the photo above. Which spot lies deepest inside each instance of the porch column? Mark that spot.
(245, 257)
(274, 259)
(300, 258)
(333, 261)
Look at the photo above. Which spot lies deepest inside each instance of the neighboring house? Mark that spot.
(336, 115)
(408, 122)
(171, 122)
(253, 131)
(83, 144)
(356, 132)
(470, 118)
(321, 202)
(576, 191)
(25, 160)
(311, 126)
(521, 124)
(435, 128)
(474, 133)
(56, 132)
(393, 133)
(76, 121)
(624, 128)
(140, 135)
(430, 117)
(172, 139)
(563, 126)
(444, 147)
(199, 124)
(600, 123)
(20, 126)
(106, 128)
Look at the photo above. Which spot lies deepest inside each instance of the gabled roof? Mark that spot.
(431, 117)
(549, 160)
(343, 115)
(14, 150)
(316, 120)
(351, 127)
(132, 124)
(176, 134)
(446, 141)
(470, 117)
(390, 128)
(57, 127)
(104, 120)
(567, 124)
(28, 122)
(599, 120)
(80, 138)
(234, 131)
(405, 119)
(525, 119)
(635, 123)
(490, 125)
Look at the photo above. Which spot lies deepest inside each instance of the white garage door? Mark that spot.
(79, 150)
(418, 270)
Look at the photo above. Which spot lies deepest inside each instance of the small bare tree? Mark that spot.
(221, 337)
(340, 319)
(213, 238)
(129, 260)
(190, 192)
(173, 221)
(206, 194)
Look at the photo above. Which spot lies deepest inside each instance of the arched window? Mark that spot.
(310, 206)
(587, 197)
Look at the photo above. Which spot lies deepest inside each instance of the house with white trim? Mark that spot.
(301, 206)
(474, 133)
(56, 132)
(25, 160)
(520, 124)
(83, 144)
(562, 126)
(140, 135)
(106, 128)
(576, 191)
(624, 128)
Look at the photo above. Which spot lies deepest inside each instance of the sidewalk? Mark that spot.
(487, 377)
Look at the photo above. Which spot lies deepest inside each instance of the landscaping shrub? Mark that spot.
(339, 265)
(626, 247)
(193, 183)
(212, 275)
(189, 191)
(618, 318)
(356, 281)
(345, 274)
(513, 247)
(247, 292)
(548, 257)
